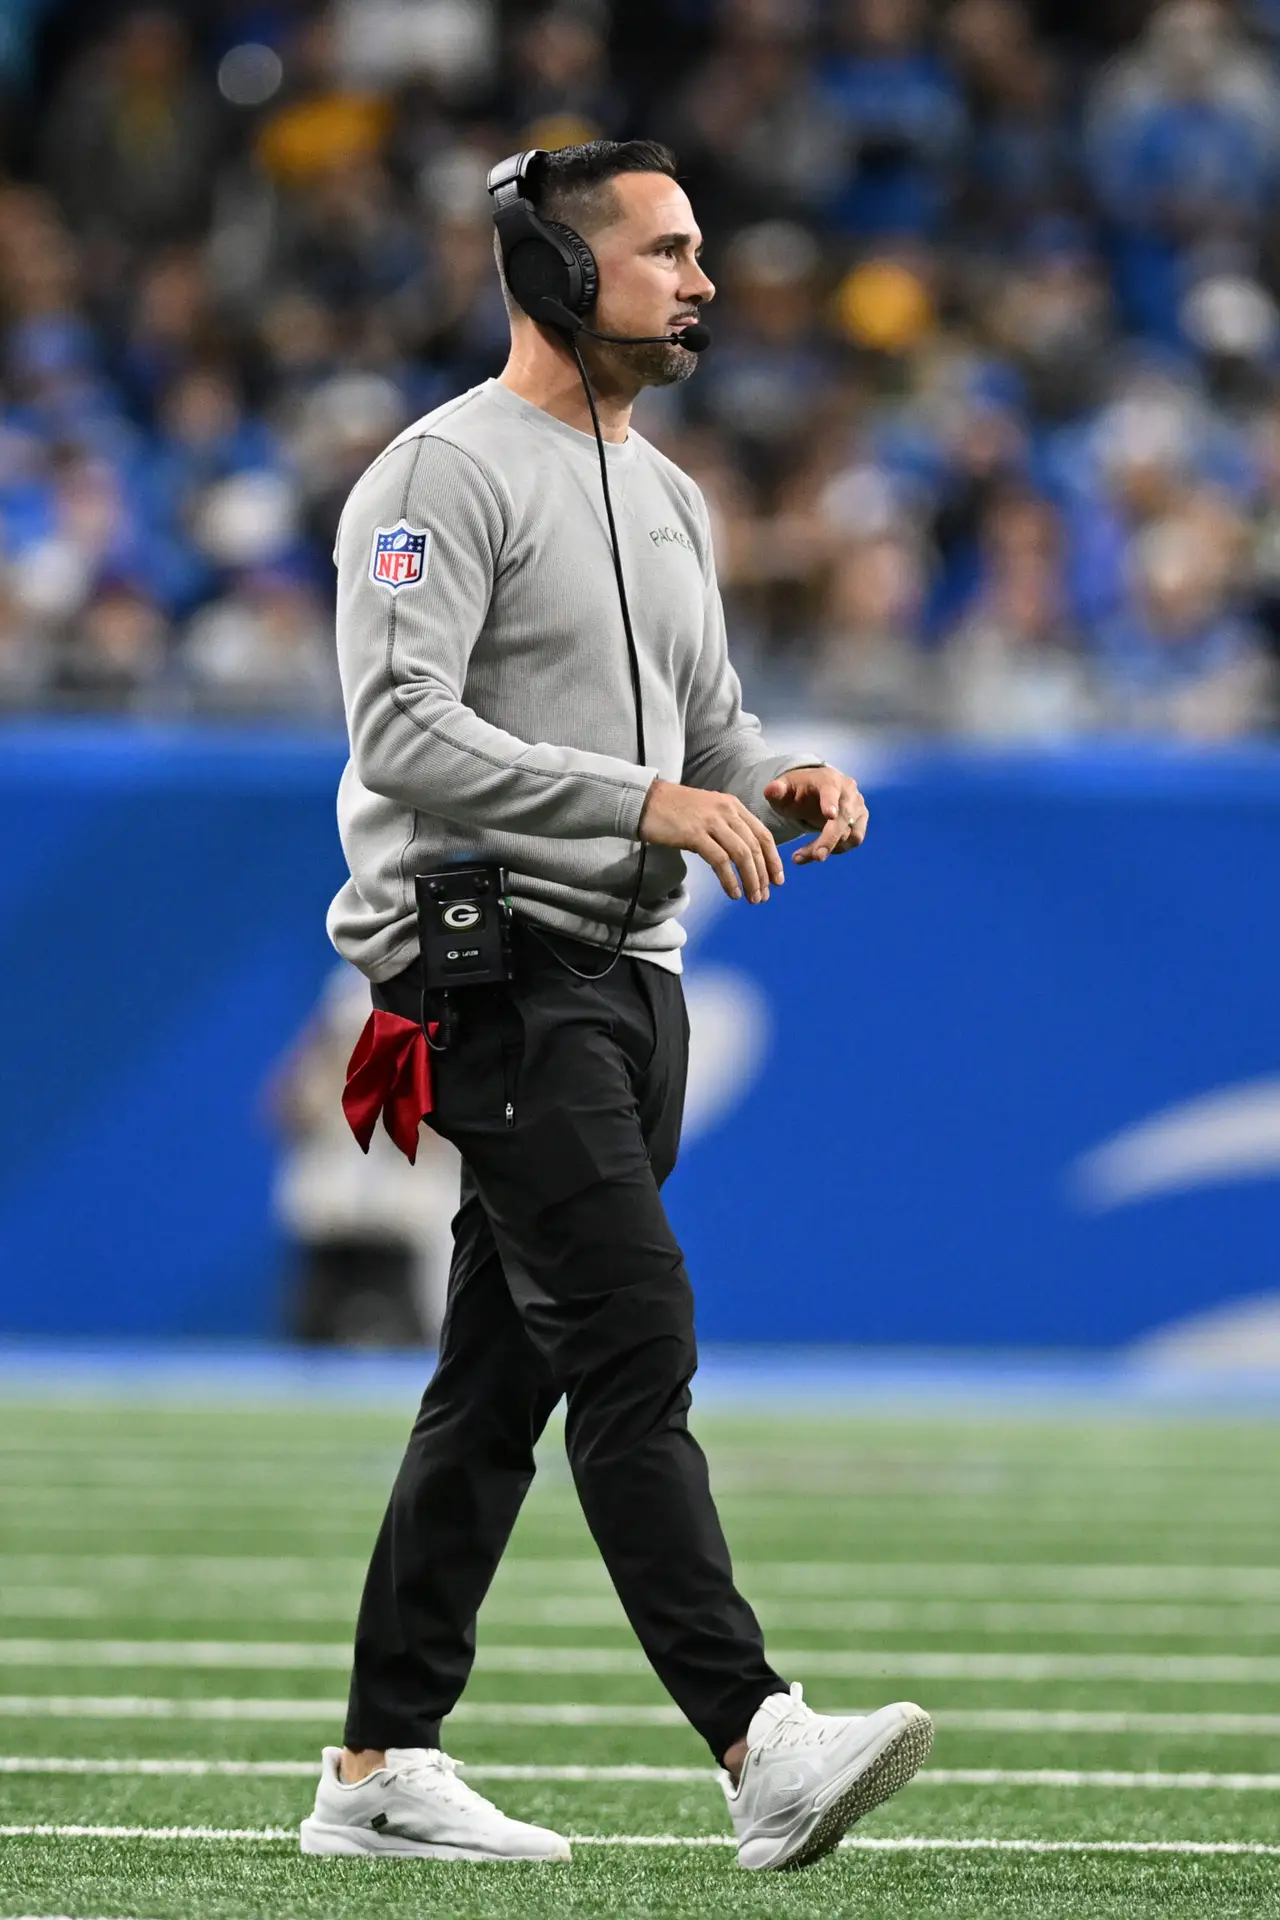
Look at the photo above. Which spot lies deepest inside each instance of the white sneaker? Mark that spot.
(416, 1807)
(808, 1776)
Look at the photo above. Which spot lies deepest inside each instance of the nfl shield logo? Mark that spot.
(399, 556)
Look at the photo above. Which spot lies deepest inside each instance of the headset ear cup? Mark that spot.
(544, 262)
(583, 296)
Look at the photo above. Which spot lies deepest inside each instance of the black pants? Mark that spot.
(564, 1099)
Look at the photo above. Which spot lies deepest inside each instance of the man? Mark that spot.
(491, 719)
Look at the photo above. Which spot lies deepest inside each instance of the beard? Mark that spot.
(661, 365)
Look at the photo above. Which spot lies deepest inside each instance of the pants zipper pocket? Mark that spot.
(510, 1022)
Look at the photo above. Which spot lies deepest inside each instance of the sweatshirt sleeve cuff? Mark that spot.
(631, 804)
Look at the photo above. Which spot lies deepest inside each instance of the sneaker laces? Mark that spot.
(798, 1725)
(436, 1772)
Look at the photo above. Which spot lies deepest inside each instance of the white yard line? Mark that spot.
(1073, 1720)
(559, 1714)
(898, 1844)
(52, 1832)
(838, 1579)
(23, 1706)
(279, 1654)
(1154, 1782)
(770, 1476)
(221, 1503)
(920, 1664)
(308, 1769)
(914, 1663)
(1114, 1619)
(996, 1581)
(912, 1843)
(134, 1608)
(201, 1569)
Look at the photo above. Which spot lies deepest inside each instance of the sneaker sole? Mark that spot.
(898, 1761)
(336, 1842)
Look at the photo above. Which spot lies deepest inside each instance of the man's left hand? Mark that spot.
(820, 797)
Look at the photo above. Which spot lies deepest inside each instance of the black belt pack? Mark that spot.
(464, 927)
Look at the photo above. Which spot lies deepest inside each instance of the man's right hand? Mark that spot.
(718, 828)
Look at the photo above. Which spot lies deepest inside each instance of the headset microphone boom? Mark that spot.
(695, 338)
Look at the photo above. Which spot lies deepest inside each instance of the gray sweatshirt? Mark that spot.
(486, 682)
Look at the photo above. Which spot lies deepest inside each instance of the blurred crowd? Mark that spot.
(990, 431)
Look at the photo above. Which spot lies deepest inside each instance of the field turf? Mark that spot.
(1089, 1605)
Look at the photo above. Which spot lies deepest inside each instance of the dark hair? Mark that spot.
(572, 184)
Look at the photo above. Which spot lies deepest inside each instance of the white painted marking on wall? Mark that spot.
(1232, 1133)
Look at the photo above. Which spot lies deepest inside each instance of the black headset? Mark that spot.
(549, 269)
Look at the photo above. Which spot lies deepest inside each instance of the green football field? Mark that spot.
(1089, 1605)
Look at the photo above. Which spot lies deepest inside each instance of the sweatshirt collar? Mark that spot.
(617, 452)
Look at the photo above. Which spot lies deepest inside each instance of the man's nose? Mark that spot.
(699, 288)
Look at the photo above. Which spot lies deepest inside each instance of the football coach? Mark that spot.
(484, 561)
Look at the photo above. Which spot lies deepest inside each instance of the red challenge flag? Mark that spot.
(389, 1074)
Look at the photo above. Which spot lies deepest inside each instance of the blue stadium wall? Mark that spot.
(1009, 1077)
